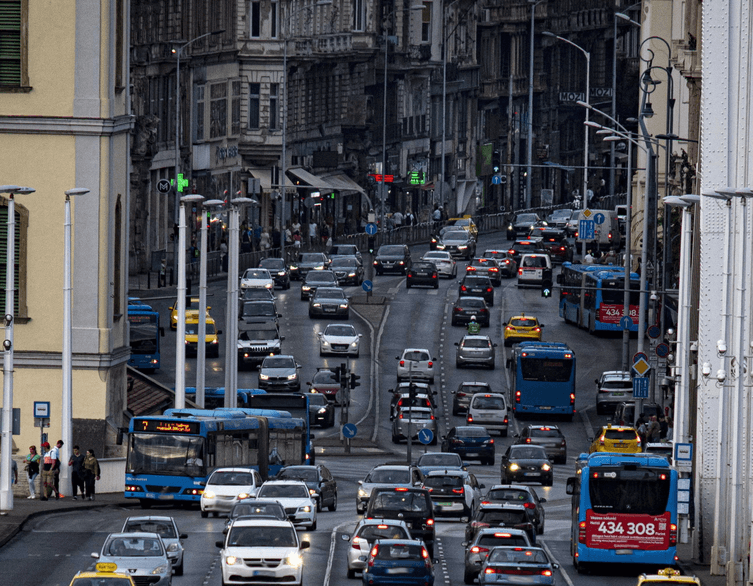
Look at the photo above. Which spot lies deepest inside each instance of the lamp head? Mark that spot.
(192, 198)
(9, 188)
(721, 375)
(25, 190)
(706, 369)
(210, 203)
(7, 344)
(647, 111)
(721, 347)
(77, 191)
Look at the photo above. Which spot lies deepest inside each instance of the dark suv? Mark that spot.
(412, 505)
(392, 257)
(477, 287)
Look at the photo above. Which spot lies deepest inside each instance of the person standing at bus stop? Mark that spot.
(49, 462)
(92, 472)
(76, 462)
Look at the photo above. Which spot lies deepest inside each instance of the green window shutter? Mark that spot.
(4, 258)
(10, 42)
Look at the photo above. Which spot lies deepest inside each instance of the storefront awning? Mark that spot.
(311, 180)
(264, 176)
(342, 183)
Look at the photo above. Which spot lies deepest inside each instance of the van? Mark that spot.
(606, 234)
(533, 268)
(625, 413)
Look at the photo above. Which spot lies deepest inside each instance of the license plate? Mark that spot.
(618, 394)
(546, 408)
(262, 573)
(444, 504)
(532, 474)
(329, 310)
(472, 454)
(620, 445)
(398, 570)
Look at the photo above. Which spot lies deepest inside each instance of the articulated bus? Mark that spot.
(593, 297)
(145, 334)
(624, 510)
(170, 457)
(544, 379)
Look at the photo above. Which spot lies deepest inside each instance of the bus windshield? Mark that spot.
(165, 454)
(144, 333)
(613, 292)
(546, 369)
(638, 491)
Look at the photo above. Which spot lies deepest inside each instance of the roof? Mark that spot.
(146, 396)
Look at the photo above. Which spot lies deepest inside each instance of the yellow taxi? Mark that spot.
(192, 309)
(106, 574)
(521, 328)
(467, 223)
(666, 576)
(614, 438)
(211, 336)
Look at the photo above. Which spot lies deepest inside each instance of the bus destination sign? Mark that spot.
(166, 426)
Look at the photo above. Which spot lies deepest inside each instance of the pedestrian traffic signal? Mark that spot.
(546, 288)
(372, 244)
(354, 378)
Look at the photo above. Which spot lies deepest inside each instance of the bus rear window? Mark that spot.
(640, 491)
(546, 369)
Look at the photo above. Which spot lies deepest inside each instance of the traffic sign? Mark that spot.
(641, 367)
(662, 350)
(640, 387)
(367, 285)
(371, 229)
(349, 430)
(42, 409)
(638, 356)
(654, 332)
(496, 180)
(378, 178)
(587, 213)
(426, 436)
(163, 186)
(599, 219)
(586, 230)
(626, 322)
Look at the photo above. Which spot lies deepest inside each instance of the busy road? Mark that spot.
(51, 549)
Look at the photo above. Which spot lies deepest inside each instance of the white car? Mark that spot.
(444, 262)
(226, 487)
(340, 339)
(257, 279)
(415, 364)
(489, 410)
(366, 533)
(262, 551)
(294, 495)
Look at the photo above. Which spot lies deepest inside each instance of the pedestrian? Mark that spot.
(397, 219)
(32, 470)
(588, 259)
(296, 226)
(670, 429)
(297, 240)
(325, 233)
(264, 240)
(409, 219)
(288, 237)
(653, 430)
(48, 463)
(640, 426)
(312, 233)
(92, 472)
(14, 471)
(76, 463)
(663, 425)
(436, 217)
(56, 470)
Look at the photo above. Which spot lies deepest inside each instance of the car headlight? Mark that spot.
(306, 288)
(312, 492)
(317, 305)
(514, 467)
(321, 411)
(462, 247)
(325, 343)
(292, 376)
(293, 267)
(243, 495)
(209, 494)
(263, 376)
(354, 344)
(305, 509)
(295, 560)
(231, 560)
(281, 274)
(160, 569)
(173, 547)
(343, 306)
(362, 492)
(269, 285)
(546, 467)
(319, 268)
(351, 275)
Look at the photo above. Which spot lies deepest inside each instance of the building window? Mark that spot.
(359, 15)
(19, 278)
(274, 108)
(254, 90)
(14, 74)
(426, 22)
(199, 116)
(254, 20)
(273, 19)
(235, 129)
(217, 110)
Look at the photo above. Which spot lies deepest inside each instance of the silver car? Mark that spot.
(415, 364)
(366, 533)
(409, 421)
(475, 349)
(477, 550)
(446, 265)
(612, 388)
(166, 528)
(143, 556)
(386, 476)
(279, 373)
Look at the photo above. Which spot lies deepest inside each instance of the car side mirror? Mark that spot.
(482, 486)
(465, 543)
(282, 338)
(542, 500)
(279, 315)
(360, 482)
(308, 383)
(494, 345)
(596, 381)
(219, 332)
(95, 555)
(184, 536)
(457, 343)
(541, 325)
(360, 335)
(305, 544)
(219, 544)
(345, 537)
(516, 435)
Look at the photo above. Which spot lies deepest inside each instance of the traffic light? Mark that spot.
(547, 284)
(372, 244)
(496, 161)
(354, 378)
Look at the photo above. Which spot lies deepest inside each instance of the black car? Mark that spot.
(519, 494)
(345, 250)
(458, 243)
(315, 279)
(258, 312)
(321, 411)
(319, 480)
(526, 463)
(279, 271)
(557, 245)
(329, 302)
(422, 273)
(465, 307)
(347, 269)
(308, 261)
(412, 505)
(477, 287)
(522, 225)
(521, 247)
(508, 267)
(485, 267)
(392, 258)
(509, 515)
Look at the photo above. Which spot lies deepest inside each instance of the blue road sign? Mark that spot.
(662, 350)
(367, 285)
(654, 332)
(349, 430)
(586, 230)
(426, 436)
(640, 387)
(626, 322)
(599, 219)
(638, 355)
(371, 228)
(496, 180)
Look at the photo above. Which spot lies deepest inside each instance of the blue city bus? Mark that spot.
(544, 379)
(170, 457)
(593, 297)
(145, 333)
(624, 510)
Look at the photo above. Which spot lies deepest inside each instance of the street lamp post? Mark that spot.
(67, 406)
(529, 158)
(6, 473)
(180, 326)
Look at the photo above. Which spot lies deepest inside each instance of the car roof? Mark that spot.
(543, 427)
(448, 472)
(476, 383)
(151, 518)
(502, 506)
(133, 535)
(503, 529)
(278, 482)
(251, 522)
(393, 466)
(417, 350)
(476, 337)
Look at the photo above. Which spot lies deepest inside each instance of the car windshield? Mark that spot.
(471, 302)
(494, 540)
(620, 434)
(443, 481)
(273, 263)
(477, 282)
(401, 501)
(472, 432)
(164, 529)
(440, 460)
(307, 474)
(546, 432)
(527, 453)
(468, 388)
(344, 262)
(320, 277)
(526, 218)
(257, 293)
(329, 294)
(476, 343)
(325, 376)
(617, 384)
(502, 517)
(459, 235)
(345, 250)
(262, 537)
(436, 256)
(256, 309)
(509, 495)
(135, 547)
(261, 509)
(340, 330)
(389, 477)
(383, 531)
(312, 257)
(483, 262)
(227, 478)
(533, 262)
(296, 491)
(517, 556)
(416, 355)
(399, 551)
(392, 250)
(424, 265)
(256, 274)
(481, 402)
(523, 322)
(317, 399)
(278, 362)
(193, 329)
(102, 581)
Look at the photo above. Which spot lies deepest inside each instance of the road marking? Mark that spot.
(331, 556)
(562, 568)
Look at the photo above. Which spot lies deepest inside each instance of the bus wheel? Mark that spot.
(145, 503)
(580, 567)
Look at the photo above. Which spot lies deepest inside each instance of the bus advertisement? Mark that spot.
(144, 333)
(624, 510)
(544, 379)
(593, 297)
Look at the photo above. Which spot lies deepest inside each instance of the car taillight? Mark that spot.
(402, 363)
(463, 288)
(517, 396)
(372, 555)
(356, 544)
(528, 440)
(410, 275)
(536, 329)
(470, 269)
(401, 416)
(582, 532)
(672, 534)
(489, 289)
(531, 506)
(430, 522)
(510, 328)
(505, 420)
(520, 271)
(546, 572)
(431, 364)
(458, 490)
(434, 276)
(477, 549)
(458, 309)
(564, 443)
(469, 419)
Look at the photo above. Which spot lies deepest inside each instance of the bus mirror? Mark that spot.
(119, 437)
(570, 487)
